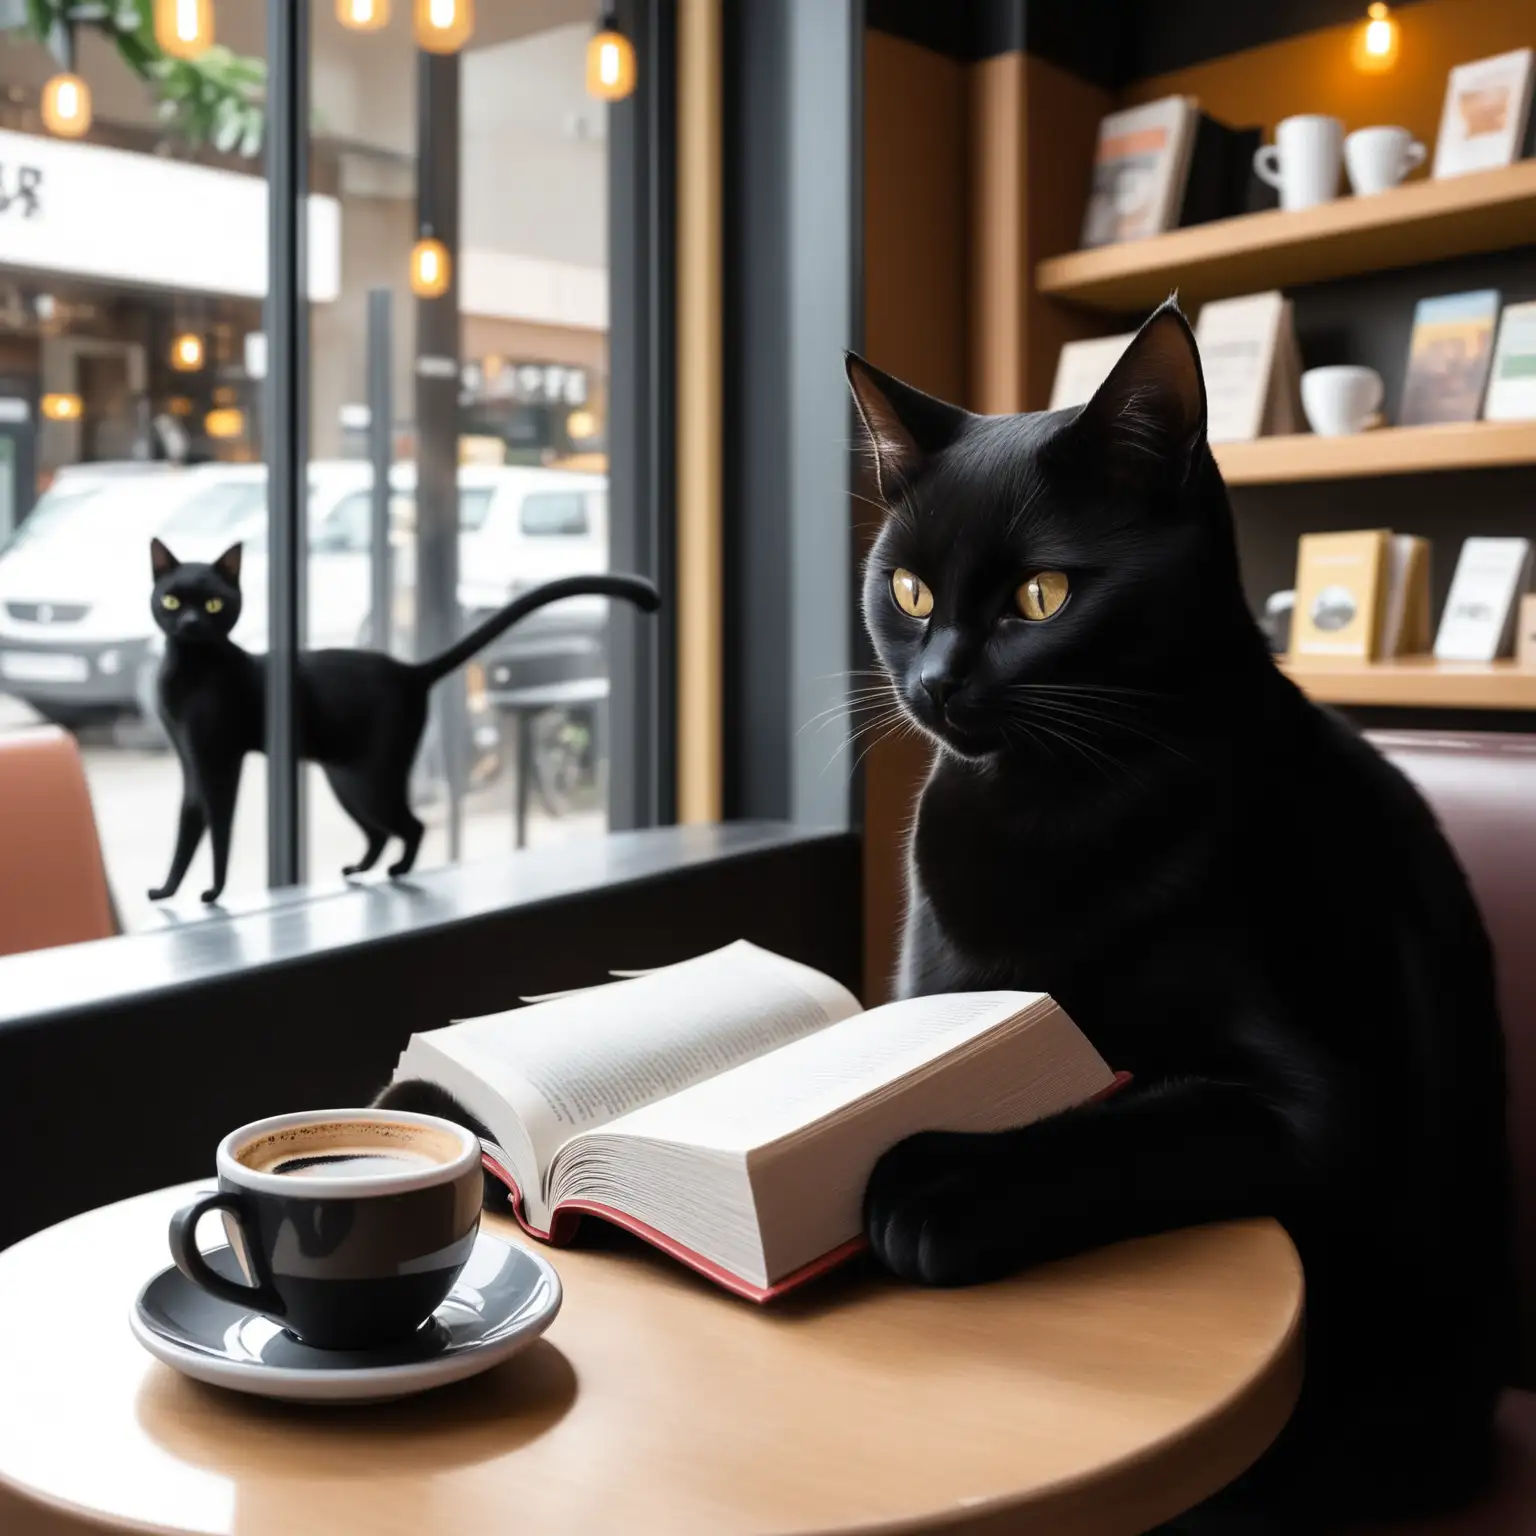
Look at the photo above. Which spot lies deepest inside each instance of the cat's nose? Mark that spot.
(941, 687)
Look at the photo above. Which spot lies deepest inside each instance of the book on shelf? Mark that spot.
(1487, 108)
(1480, 609)
(1525, 640)
(1083, 366)
(1222, 183)
(1512, 375)
(1405, 611)
(1140, 169)
(730, 1109)
(1360, 595)
(1449, 357)
(1249, 356)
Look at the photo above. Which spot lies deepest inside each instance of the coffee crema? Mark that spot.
(348, 1149)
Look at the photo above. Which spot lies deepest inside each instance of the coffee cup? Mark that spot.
(1377, 159)
(1304, 161)
(349, 1225)
(1340, 401)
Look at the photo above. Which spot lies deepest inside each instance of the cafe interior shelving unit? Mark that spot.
(1419, 223)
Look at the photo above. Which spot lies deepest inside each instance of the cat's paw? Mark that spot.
(162, 893)
(931, 1212)
(211, 896)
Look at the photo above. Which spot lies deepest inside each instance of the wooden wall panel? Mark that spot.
(1313, 72)
(700, 386)
(1033, 127)
(915, 326)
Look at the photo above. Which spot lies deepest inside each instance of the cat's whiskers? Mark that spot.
(1075, 711)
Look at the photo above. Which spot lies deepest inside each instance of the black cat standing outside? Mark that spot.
(360, 714)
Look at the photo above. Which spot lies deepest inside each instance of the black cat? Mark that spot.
(1237, 899)
(360, 714)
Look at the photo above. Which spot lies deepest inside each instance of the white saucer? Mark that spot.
(504, 1299)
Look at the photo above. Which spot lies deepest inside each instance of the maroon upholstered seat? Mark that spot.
(1483, 789)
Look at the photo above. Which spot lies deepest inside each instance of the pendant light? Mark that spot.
(62, 407)
(431, 266)
(610, 62)
(66, 102)
(66, 106)
(444, 26)
(184, 28)
(363, 15)
(1376, 42)
(187, 352)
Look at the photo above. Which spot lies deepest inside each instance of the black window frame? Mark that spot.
(641, 731)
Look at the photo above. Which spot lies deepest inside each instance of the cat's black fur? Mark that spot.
(1238, 900)
(360, 714)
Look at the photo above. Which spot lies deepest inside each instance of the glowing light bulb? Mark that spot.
(363, 15)
(66, 106)
(444, 26)
(184, 28)
(610, 63)
(187, 352)
(1375, 46)
(224, 423)
(431, 268)
(62, 407)
(581, 425)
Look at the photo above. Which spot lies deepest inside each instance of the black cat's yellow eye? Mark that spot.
(214, 605)
(170, 600)
(913, 595)
(1042, 595)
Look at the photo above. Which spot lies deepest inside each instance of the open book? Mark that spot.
(730, 1109)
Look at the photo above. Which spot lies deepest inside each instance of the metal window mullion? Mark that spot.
(286, 419)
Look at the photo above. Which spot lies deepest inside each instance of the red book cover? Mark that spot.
(566, 1221)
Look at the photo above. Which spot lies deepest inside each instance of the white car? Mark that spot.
(74, 589)
(78, 640)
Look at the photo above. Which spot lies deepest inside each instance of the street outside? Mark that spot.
(136, 792)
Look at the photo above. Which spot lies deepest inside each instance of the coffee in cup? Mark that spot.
(349, 1226)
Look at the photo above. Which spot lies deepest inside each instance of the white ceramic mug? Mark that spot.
(1378, 158)
(1342, 400)
(1304, 161)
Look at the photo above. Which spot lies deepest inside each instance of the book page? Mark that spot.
(762, 1169)
(586, 1059)
(803, 1082)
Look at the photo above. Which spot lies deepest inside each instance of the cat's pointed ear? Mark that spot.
(161, 561)
(1148, 417)
(228, 565)
(904, 426)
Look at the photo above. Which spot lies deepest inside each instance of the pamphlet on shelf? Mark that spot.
(1479, 619)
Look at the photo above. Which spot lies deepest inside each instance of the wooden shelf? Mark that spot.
(1419, 222)
(1418, 682)
(1388, 451)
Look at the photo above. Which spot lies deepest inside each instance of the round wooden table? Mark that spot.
(1100, 1395)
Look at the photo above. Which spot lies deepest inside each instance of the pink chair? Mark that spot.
(53, 885)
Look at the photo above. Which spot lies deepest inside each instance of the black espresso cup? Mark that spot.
(349, 1225)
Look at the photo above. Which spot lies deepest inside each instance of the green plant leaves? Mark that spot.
(214, 99)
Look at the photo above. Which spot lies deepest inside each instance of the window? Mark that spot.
(154, 358)
(550, 514)
(474, 507)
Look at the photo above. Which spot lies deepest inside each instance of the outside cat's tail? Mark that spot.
(635, 589)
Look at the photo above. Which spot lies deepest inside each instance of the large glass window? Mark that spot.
(133, 358)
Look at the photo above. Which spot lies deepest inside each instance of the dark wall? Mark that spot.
(1111, 42)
